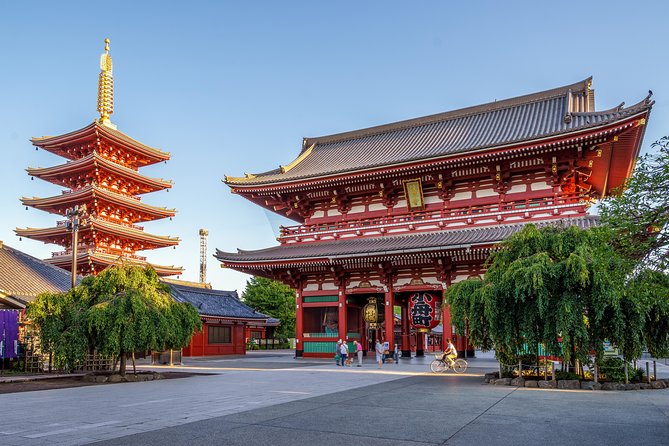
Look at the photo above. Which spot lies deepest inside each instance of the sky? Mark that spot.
(233, 87)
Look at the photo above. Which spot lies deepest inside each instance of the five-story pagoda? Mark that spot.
(102, 173)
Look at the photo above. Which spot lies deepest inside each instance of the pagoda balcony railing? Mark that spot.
(110, 189)
(61, 223)
(454, 215)
(93, 249)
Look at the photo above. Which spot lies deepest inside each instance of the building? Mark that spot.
(228, 323)
(392, 215)
(23, 278)
(103, 183)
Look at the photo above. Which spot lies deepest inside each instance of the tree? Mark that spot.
(639, 216)
(275, 299)
(560, 287)
(59, 319)
(122, 310)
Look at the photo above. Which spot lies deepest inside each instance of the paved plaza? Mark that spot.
(270, 398)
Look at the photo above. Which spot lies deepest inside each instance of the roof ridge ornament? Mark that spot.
(106, 88)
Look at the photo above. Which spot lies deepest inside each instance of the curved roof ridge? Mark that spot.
(646, 102)
(452, 114)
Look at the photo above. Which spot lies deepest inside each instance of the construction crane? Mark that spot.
(203, 255)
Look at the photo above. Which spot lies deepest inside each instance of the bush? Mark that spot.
(613, 369)
(567, 375)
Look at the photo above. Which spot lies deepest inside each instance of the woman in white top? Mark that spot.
(343, 352)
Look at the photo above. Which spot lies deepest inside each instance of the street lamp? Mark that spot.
(76, 217)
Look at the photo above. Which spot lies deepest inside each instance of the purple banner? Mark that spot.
(9, 333)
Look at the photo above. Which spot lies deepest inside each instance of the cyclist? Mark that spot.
(450, 353)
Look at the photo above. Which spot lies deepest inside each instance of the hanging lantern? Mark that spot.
(371, 313)
(424, 309)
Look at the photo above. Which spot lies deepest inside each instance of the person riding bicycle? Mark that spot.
(450, 353)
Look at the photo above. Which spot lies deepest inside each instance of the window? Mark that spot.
(256, 334)
(219, 335)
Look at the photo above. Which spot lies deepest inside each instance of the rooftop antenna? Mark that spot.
(203, 255)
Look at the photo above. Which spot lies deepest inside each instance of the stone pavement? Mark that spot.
(424, 410)
(87, 414)
(271, 398)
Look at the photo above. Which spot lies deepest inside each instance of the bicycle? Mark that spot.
(439, 365)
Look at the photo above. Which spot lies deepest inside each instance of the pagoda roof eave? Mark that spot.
(93, 192)
(93, 161)
(103, 227)
(329, 252)
(106, 260)
(52, 143)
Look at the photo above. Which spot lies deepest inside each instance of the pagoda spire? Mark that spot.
(106, 88)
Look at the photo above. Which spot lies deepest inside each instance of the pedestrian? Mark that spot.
(379, 353)
(343, 352)
(338, 353)
(358, 352)
(397, 354)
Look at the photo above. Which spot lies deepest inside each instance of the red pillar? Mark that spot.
(389, 317)
(406, 341)
(342, 313)
(299, 324)
(461, 345)
(446, 324)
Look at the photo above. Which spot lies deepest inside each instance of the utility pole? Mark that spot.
(76, 217)
(203, 255)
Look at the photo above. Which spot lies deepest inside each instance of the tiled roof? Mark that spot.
(25, 277)
(390, 245)
(517, 120)
(219, 303)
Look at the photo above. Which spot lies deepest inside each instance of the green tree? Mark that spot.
(122, 310)
(639, 216)
(545, 285)
(59, 319)
(274, 299)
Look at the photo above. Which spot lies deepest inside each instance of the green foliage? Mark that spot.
(60, 321)
(122, 310)
(613, 369)
(559, 375)
(467, 308)
(639, 216)
(274, 299)
(555, 286)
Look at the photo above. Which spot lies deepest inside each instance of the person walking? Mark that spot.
(358, 352)
(338, 353)
(343, 352)
(379, 353)
(396, 355)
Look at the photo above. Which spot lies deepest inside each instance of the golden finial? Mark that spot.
(106, 88)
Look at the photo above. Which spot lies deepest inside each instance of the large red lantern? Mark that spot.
(424, 309)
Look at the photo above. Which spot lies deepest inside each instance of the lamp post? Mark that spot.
(76, 217)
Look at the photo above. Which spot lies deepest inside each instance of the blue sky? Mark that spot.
(232, 87)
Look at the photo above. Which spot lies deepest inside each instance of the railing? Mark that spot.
(61, 223)
(441, 214)
(92, 249)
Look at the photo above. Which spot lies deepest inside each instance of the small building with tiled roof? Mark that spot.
(392, 215)
(24, 277)
(228, 323)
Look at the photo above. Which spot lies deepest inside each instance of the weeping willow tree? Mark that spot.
(560, 287)
(122, 310)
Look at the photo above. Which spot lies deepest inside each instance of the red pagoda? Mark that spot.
(390, 216)
(101, 172)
